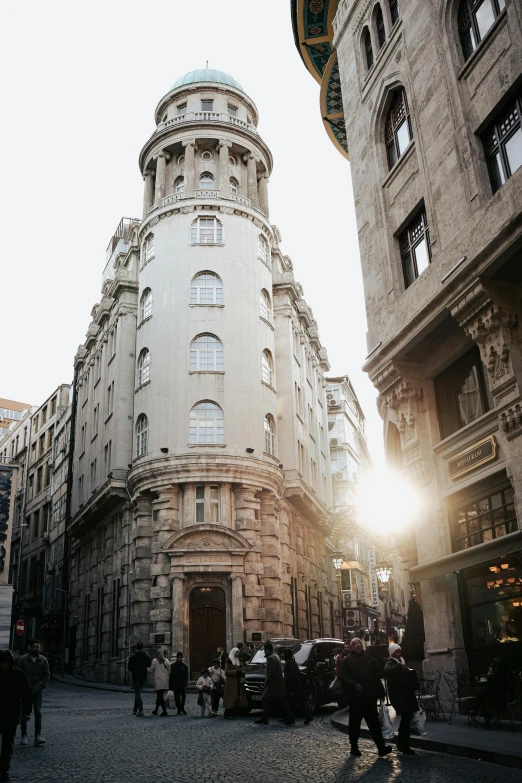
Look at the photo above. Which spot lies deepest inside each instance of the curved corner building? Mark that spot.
(201, 460)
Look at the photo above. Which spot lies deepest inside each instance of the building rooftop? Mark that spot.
(207, 75)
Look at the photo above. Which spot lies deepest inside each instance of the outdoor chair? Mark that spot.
(509, 704)
(462, 693)
(428, 695)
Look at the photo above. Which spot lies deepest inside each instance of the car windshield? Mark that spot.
(301, 653)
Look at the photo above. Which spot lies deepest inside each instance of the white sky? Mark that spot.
(80, 85)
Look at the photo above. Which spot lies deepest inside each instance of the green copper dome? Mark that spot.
(207, 75)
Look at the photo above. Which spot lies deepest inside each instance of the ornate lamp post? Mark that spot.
(383, 571)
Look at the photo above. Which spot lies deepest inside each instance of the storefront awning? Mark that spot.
(474, 556)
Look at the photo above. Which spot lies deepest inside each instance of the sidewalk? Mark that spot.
(499, 746)
(68, 679)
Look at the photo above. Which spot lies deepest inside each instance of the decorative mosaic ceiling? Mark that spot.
(312, 23)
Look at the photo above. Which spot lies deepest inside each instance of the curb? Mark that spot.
(422, 743)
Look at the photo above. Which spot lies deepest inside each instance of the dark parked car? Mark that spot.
(316, 661)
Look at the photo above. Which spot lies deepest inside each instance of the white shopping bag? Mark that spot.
(386, 724)
(418, 724)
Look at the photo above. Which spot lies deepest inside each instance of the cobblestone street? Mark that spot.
(92, 736)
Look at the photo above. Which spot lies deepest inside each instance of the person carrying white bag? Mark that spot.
(402, 683)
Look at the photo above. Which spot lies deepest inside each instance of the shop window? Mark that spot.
(462, 393)
(485, 512)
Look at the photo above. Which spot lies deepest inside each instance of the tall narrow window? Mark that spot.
(415, 248)
(462, 393)
(142, 435)
(146, 304)
(144, 366)
(206, 231)
(206, 181)
(368, 49)
(206, 354)
(234, 186)
(381, 30)
(398, 131)
(265, 305)
(267, 368)
(263, 250)
(207, 423)
(503, 143)
(147, 251)
(206, 289)
(207, 104)
(214, 504)
(476, 17)
(394, 10)
(269, 430)
(200, 503)
(179, 185)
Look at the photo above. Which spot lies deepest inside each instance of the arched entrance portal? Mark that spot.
(207, 626)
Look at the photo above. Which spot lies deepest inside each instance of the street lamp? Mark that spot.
(337, 559)
(383, 571)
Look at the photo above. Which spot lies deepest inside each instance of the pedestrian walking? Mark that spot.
(344, 652)
(16, 698)
(218, 681)
(360, 678)
(235, 694)
(178, 680)
(294, 686)
(204, 686)
(36, 668)
(275, 689)
(221, 654)
(160, 667)
(244, 654)
(402, 683)
(138, 665)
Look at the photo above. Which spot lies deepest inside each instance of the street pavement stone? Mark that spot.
(92, 737)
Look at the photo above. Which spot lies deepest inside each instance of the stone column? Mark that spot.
(237, 608)
(263, 194)
(140, 583)
(190, 167)
(148, 192)
(177, 613)
(224, 169)
(252, 179)
(161, 172)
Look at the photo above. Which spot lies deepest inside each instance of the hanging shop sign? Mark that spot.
(473, 457)
(374, 584)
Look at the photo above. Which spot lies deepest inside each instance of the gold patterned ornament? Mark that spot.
(316, 6)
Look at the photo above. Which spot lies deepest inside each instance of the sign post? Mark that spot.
(20, 627)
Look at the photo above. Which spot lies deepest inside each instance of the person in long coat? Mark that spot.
(402, 683)
(160, 667)
(275, 688)
(235, 695)
(294, 686)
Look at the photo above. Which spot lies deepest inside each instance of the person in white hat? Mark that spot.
(402, 683)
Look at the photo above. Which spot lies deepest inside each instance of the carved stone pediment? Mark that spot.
(207, 538)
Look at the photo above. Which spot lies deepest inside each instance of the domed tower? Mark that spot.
(206, 477)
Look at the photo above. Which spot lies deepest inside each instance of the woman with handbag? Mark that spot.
(160, 667)
(402, 683)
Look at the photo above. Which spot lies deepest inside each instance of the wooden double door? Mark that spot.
(207, 627)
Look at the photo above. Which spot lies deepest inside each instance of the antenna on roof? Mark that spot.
(206, 66)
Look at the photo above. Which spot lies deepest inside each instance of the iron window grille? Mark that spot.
(503, 144)
(414, 243)
(398, 132)
(475, 19)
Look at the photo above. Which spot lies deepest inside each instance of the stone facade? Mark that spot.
(201, 467)
(450, 332)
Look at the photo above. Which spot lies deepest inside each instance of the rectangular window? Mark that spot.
(300, 457)
(39, 474)
(53, 406)
(93, 474)
(232, 110)
(80, 489)
(414, 245)
(99, 623)
(181, 108)
(41, 445)
(485, 513)
(298, 400)
(503, 144)
(44, 415)
(36, 525)
(86, 612)
(31, 482)
(115, 620)
(462, 393)
(108, 458)
(207, 105)
(33, 452)
(110, 398)
(96, 415)
(214, 504)
(200, 503)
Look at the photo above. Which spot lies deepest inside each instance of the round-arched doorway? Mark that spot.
(207, 626)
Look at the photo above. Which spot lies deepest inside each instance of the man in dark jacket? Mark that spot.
(294, 685)
(360, 678)
(138, 665)
(36, 669)
(178, 680)
(402, 683)
(275, 689)
(16, 698)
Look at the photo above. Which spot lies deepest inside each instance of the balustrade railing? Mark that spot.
(206, 116)
(206, 193)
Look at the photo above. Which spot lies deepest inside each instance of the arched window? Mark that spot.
(394, 10)
(263, 250)
(234, 186)
(398, 132)
(269, 428)
(179, 185)
(143, 366)
(476, 17)
(146, 304)
(142, 435)
(206, 231)
(147, 250)
(206, 181)
(368, 49)
(206, 289)
(267, 368)
(265, 305)
(207, 424)
(379, 24)
(206, 353)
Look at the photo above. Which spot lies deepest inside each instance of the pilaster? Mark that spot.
(148, 192)
(190, 167)
(224, 168)
(263, 194)
(161, 177)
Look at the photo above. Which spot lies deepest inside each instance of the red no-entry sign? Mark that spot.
(20, 627)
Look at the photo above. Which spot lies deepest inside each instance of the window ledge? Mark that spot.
(268, 386)
(206, 445)
(408, 152)
(206, 372)
(206, 305)
(266, 322)
(108, 417)
(483, 46)
(145, 383)
(144, 321)
(207, 244)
